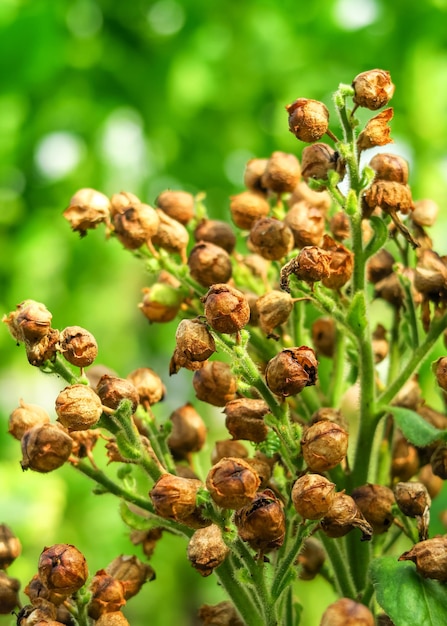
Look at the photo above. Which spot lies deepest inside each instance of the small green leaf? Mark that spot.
(356, 317)
(379, 237)
(407, 597)
(415, 428)
(136, 521)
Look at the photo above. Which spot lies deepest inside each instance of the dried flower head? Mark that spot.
(87, 209)
(373, 89)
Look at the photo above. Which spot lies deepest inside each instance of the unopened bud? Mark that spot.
(312, 496)
(207, 550)
(373, 89)
(232, 483)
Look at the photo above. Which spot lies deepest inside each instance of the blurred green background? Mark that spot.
(142, 96)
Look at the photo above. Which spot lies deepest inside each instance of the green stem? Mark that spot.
(60, 367)
(238, 595)
(339, 562)
(282, 574)
(338, 370)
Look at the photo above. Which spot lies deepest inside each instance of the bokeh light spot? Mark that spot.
(355, 14)
(58, 153)
(166, 17)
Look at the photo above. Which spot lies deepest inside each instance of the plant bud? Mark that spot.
(247, 207)
(216, 232)
(341, 264)
(347, 612)
(343, 516)
(310, 559)
(194, 345)
(177, 204)
(306, 223)
(78, 346)
(78, 407)
(131, 572)
(323, 336)
(228, 448)
(29, 322)
(271, 238)
(207, 550)
(391, 167)
(232, 483)
(430, 557)
(375, 502)
(209, 264)
(425, 212)
(62, 568)
(87, 209)
(175, 498)
(188, 432)
(9, 593)
(262, 523)
(25, 417)
(291, 370)
(339, 226)
(438, 461)
(405, 461)
(319, 159)
(379, 266)
(311, 265)
(312, 496)
(254, 169)
(324, 445)
(148, 384)
(226, 309)
(282, 172)
(308, 119)
(376, 132)
(214, 383)
(412, 498)
(45, 447)
(136, 225)
(373, 89)
(245, 419)
(115, 618)
(107, 594)
(161, 302)
(171, 235)
(273, 310)
(380, 344)
(112, 390)
(10, 547)
(222, 614)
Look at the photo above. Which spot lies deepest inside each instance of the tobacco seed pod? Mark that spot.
(263, 467)
(9, 593)
(131, 572)
(292, 369)
(29, 322)
(78, 346)
(273, 310)
(62, 568)
(282, 172)
(107, 594)
(339, 226)
(390, 167)
(222, 614)
(226, 309)
(308, 119)
(318, 199)
(310, 559)
(377, 131)
(271, 238)
(430, 277)
(405, 460)
(78, 407)
(319, 159)
(247, 207)
(115, 618)
(379, 343)
(45, 447)
(379, 266)
(324, 445)
(375, 502)
(389, 196)
(136, 225)
(347, 612)
(177, 204)
(148, 384)
(245, 419)
(171, 235)
(112, 390)
(425, 212)
(440, 370)
(232, 483)
(323, 336)
(343, 516)
(160, 303)
(228, 448)
(306, 222)
(312, 496)
(412, 498)
(24, 417)
(120, 202)
(188, 432)
(41, 615)
(37, 591)
(430, 557)
(209, 264)
(373, 89)
(328, 413)
(431, 482)
(194, 345)
(174, 497)
(10, 547)
(410, 394)
(438, 461)
(45, 349)
(341, 263)
(311, 265)
(216, 232)
(214, 383)
(254, 169)
(207, 550)
(87, 209)
(262, 523)
(148, 539)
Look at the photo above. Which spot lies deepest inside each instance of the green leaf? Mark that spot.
(136, 521)
(415, 428)
(356, 317)
(379, 237)
(407, 597)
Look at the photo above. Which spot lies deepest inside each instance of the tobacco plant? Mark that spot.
(306, 317)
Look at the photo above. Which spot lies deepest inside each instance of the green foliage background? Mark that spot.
(142, 96)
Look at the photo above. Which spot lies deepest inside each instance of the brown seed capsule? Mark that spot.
(339, 226)
(45, 447)
(319, 159)
(112, 390)
(148, 384)
(107, 594)
(254, 169)
(214, 383)
(343, 516)
(25, 417)
(209, 264)
(376, 132)
(226, 308)
(282, 172)
(115, 618)
(10, 547)
(425, 212)
(432, 483)
(45, 349)
(318, 199)
(341, 263)
(323, 336)
(37, 591)
(216, 232)
(136, 225)
(188, 432)
(161, 302)
(347, 612)
(247, 207)
(379, 343)
(389, 196)
(306, 222)
(228, 448)
(324, 445)
(271, 238)
(29, 322)
(390, 167)
(222, 614)
(380, 265)
(9, 593)
(263, 467)
(194, 345)
(171, 235)
(412, 498)
(312, 496)
(131, 572)
(232, 483)
(273, 310)
(262, 523)
(311, 265)
(174, 497)
(373, 89)
(148, 539)
(62, 568)
(78, 346)
(430, 276)
(122, 201)
(375, 502)
(78, 407)
(292, 369)
(207, 550)
(87, 209)
(245, 419)
(438, 461)
(310, 559)
(177, 204)
(42, 614)
(308, 119)
(405, 461)
(430, 557)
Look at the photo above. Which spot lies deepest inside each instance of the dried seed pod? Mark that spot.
(45, 349)
(306, 222)
(245, 419)
(271, 238)
(375, 502)
(390, 289)
(373, 89)
(328, 413)
(78, 407)
(379, 266)
(341, 263)
(9, 593)
(292, 369)
(31, 321)
(216, 232)
(412, 498)
(209, 264)
(347, 612)
(263, 467)
(343, 516)
(438, 461)
(232, 483)
(214, 383)
(131, 572)
(254, 169)
(308, 119)
(24, 417)
(43, 614)
(194, 345)
(62, 568)
(112, 390)
(107, 594)
(222, 614)
(311, 265)
(391, 167)
(388, 196)
(149, 386)
(115, 618)
(136, 225)
(319, 159)
(161, 302)
(425, 212)
(405, 461)
(282, 172)
(310, 559)
(317, 199)
(323, 336)
(171, 235)
(174, 498)
(247, 207)
(207, 550)
(177, 204)
(87, 209)
(148, 539)
(324, 445)
(430, 557)
(226, 309)
(10, 547)
(262, 523)
(340, 226)
(273, 309)
(45, 447)
(312, 496)
(188, 432)
(228, 448)
(377, 131)
(37, 592)
(78, 346)
(431, 482)
(430, 277)
(120, 202)
(380, 343)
